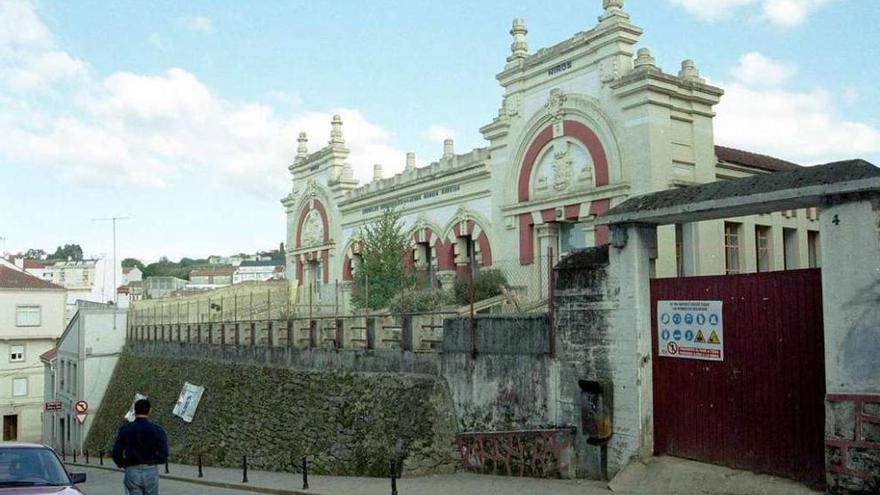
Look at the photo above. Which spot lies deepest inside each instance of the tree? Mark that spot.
(382, 269)
(133, 262)
(68, 252)
(35, 254)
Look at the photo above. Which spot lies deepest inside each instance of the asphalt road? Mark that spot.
(102, 482)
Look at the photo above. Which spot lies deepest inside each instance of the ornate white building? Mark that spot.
(582, 126)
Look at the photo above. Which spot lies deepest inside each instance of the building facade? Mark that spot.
(163, 286)
(259, 271)
(79, 368)
(582, 126)
(32, 317)
(86, 280)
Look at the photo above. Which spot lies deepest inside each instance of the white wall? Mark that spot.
(36, 340)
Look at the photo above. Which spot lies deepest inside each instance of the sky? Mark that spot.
(183, 116)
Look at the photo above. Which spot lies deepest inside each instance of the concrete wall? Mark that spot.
(597, 318)
(851, 293)
(510, 384)
(346, 423)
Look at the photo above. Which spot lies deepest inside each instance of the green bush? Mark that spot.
(487, 283)
(421, 301)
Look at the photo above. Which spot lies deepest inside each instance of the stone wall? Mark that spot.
(346, 423)
(852, 446)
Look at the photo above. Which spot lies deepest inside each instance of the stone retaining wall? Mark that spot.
(345, 423)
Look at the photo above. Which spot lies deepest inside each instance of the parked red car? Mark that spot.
(34, 470)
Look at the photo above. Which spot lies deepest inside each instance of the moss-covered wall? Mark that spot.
(346, 423)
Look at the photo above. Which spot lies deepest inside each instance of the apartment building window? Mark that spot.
(762, 248)
(62, 375)
(73, 379)
(813, 249)
(28, 316)
(19, 387)
(790, 247)
(732, 247)
(16, 353)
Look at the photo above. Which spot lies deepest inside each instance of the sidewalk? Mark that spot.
(291, 483)
(657, 476)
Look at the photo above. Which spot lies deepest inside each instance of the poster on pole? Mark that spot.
(129, 416)
(690, 330)
(188, 401)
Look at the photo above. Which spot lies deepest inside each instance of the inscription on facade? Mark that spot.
(556, 69)
(412, 199)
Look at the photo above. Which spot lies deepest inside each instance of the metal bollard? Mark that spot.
(166, 467)
(74, 456)
(101, 457)
(87, 456)
(305, 474)
(63, 454)
(244, 478)
(393, 479)
(201, 475)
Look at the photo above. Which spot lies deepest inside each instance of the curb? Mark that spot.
(202, 482)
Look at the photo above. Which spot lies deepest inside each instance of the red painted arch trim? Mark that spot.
(525, 172)
(485, 249)
(346, 269)
(571, 129)
(586, 135)
(603, 233)
(302, 218)
(526, 239)
(572, 212)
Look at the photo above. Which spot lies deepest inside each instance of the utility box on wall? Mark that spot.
(596, 403)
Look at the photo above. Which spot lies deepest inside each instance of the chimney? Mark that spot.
(377, 171)
(410, 161)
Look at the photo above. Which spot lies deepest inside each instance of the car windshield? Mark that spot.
(23, 466)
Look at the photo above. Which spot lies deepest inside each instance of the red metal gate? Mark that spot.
(762, 408)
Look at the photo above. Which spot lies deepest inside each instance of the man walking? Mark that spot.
(139, 449)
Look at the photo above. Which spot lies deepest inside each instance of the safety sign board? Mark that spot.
(53, 406)
(188, 401)
(81, 407)
(690, 330)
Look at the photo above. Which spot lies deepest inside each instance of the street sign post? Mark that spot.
(53, 406)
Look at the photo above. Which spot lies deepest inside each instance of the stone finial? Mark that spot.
(612, 4)
(336, 130)
(644, 59)
(448, 148)
(613, 10)
(519, 49)
(302, 149)
(410, 161)
(377, 171)
(689, 72)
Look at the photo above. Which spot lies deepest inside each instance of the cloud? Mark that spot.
(198, 23)
(29, 58)
(285, 97)
(784, 13)
(437, 133)
(803, 126)
(756, 69)
(851, 95)
(152, 130)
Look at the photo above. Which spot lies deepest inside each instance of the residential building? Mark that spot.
(164, 286)
(131, 274)
(85, 280)
(213, 276)
(261, 270)
(32, 317)
(582, 126)
(79, 369)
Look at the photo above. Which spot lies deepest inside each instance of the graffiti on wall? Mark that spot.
(533, 453)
